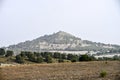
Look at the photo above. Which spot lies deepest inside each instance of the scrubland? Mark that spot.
(62, 71)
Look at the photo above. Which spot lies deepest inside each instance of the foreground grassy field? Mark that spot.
(62, 71)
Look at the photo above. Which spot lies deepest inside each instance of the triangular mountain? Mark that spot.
(58, 38)
(60, 41)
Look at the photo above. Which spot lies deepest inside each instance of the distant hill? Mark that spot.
(61, 41)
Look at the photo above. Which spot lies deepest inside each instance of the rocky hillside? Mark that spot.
(60, 41)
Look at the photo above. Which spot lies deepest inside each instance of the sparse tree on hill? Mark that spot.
(48, 59)
(69, 56)
(63, 56)
(45, 54)
(32, 57)
(19, 59)
(2, 52)
(39, 60)
(9, 53)
(116, 57)
(60, 60)
(75, 58)
(37, 54)
(56, 55)
(22, 54)
(84, 57)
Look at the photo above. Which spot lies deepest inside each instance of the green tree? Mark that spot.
(37, 54)
(39, 60)
(84, 57)
(23, 54)
(70, 56)
(2, 52)
(27, 53)
(19, 59)
(60, 60)
(9, 53)
(48, 59)
(45, 54)
(32, 57)
(116, 57)
(63, 56)
(74, 58)
(56, 55)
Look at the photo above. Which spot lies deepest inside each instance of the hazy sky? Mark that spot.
(95, 20)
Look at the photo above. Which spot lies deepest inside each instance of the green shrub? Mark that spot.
(60, 60)
(103, 74)
(106, 62)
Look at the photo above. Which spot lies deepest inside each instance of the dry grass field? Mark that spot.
(62, 71)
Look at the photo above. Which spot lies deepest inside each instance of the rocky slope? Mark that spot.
(60, 41)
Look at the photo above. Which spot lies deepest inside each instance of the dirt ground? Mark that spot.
(62, 71)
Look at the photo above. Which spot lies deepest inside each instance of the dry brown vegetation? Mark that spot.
(62, 71)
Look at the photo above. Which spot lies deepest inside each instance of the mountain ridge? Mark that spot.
(61, 41)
